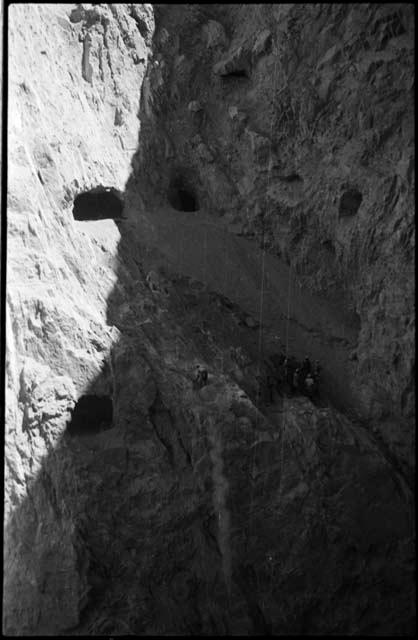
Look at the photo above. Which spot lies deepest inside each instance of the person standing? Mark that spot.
(306, 368)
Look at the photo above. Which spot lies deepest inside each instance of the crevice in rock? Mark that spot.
(292, 177)
(409, 390)
(387, 27)
(184, 449)
(161, 421)
(98, 204)
(86, 68)
(141, 25)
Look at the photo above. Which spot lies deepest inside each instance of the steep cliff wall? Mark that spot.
(135, 502)
(293, 125)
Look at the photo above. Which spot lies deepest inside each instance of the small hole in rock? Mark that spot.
(98, 204)
(350, 203)
(236, 73)
(293, 177)
(328, 245)
(91, 415)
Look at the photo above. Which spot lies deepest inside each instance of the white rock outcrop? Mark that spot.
(75, 78)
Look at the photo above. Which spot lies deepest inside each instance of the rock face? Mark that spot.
(64, 96)
(304, 143)
(262, 201)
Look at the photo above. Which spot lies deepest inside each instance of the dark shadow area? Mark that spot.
(349, 203)
(133, 511)
(98, 204)
(91, 415)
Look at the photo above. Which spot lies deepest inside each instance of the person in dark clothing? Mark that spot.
(271, 383)
(201, 376)
(296, 386)
(294, 363)
(291, 366)
(316, 370)
(260, 390)
(306, 368)
(277, 359)
(280, 378)
(198, 377)
(288, 372)
(310, 386)
(275, 362)
(317, 377)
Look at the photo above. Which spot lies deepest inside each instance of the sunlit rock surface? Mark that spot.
(62, 141)
(136, 503)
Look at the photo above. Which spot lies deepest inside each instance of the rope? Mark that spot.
(260, 337)
(180, 245)
(225, 280)
(263, 262)
(288, 310)
(205, 252)
(263, 257)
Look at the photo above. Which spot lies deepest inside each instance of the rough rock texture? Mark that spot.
(205, 511)
(62, 140)
(310, 153)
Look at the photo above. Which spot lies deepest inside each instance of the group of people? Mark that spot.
(287, 374)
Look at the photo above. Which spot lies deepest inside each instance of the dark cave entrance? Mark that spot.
(350, 203)
(98, 204)
(182, 196)
(235, 73)
(91, 415)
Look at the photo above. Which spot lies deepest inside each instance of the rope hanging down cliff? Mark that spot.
(263, 260)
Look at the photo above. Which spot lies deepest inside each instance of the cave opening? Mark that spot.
(350, 202)
(182, 196)
(91, 415)
(292, 177)
(235, 73)
(98, 204)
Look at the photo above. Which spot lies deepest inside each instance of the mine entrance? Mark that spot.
(91, 415)
(98, 204)
(181, 196)
(235, 73)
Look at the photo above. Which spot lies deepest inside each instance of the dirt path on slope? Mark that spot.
(196, 246)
